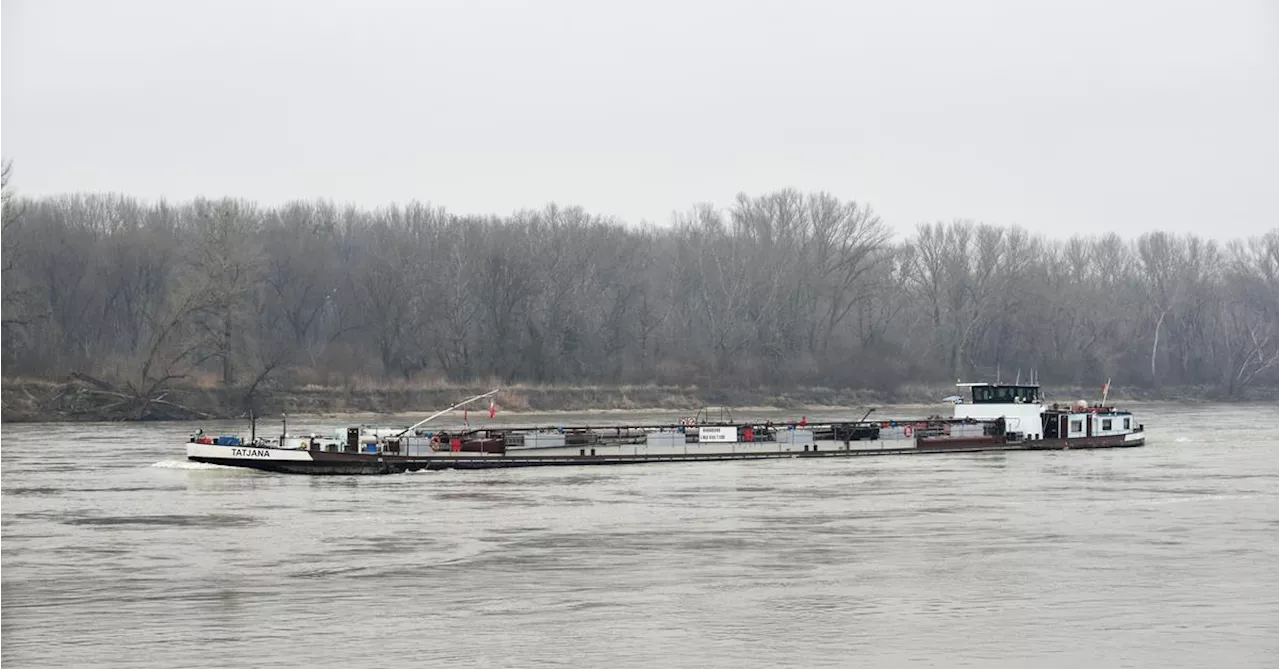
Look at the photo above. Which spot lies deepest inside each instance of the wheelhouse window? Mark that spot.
(1005, 394)
(1077, 425)
(1106, 423)
(1127, 423)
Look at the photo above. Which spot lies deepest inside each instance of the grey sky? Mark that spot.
(1084, 116)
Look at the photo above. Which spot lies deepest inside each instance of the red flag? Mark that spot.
(803, 421)
(492, 409)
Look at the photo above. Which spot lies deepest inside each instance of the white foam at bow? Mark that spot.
(186, 464)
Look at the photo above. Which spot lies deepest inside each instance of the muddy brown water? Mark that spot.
(118, 553)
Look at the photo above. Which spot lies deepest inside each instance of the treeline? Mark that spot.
(782, 290)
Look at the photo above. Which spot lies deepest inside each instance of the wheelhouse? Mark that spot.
(986, 393)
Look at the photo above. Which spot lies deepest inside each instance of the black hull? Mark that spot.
(325, 463)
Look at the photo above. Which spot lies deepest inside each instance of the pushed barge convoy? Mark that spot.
(996, 418)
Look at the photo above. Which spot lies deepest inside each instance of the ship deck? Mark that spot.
(327, 463)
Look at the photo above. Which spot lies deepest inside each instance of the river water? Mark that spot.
(117, 552)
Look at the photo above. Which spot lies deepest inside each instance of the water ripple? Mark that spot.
(1162, 556)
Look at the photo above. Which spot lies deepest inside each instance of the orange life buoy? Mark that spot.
(907, 430)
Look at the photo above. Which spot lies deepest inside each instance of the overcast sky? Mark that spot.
(1080, 115)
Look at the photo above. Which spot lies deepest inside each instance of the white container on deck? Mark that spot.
(544, 440)
(665, 438)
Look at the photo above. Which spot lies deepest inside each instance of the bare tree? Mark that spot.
(954, 269)
(228, 261)
(1249, 310)
(18, 310)
(452, 313)
(778, 289)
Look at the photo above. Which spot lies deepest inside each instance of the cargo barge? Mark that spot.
(996, 417)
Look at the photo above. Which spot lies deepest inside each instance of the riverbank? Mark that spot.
(30, 400)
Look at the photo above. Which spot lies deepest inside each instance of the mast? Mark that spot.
(469, 400)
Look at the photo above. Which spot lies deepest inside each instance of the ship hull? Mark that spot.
(290, 461)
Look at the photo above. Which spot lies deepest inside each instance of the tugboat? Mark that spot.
(1025, 419)
(996, 418)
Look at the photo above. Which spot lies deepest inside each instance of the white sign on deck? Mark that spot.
(717, 434)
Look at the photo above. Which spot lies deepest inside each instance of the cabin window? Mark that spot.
(1126, 423)
(1106, 423)
(1077, 425)
(1006, 394)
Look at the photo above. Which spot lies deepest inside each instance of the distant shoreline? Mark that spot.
(45, 401)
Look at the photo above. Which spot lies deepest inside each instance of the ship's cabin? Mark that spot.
(1095, 421)
(997, 393)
